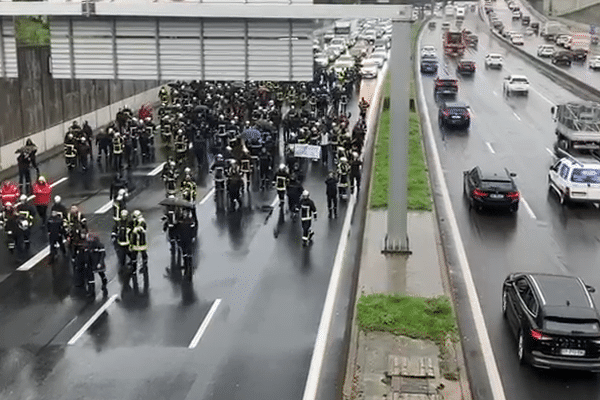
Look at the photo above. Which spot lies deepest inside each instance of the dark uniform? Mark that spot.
(355, 167)
(169, 176)
(70, 151)
(185, 233)
(118, 146)
(121, 239)
(25, 213)
(104, 143)
(94, 253)
(138, 245)
(308, 211)
(282, 178)
(332, 195)
(56, 234)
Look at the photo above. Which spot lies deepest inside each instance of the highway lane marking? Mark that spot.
(156, 170)
(528, 209)
(318, 355)
(207, 196)
(550, 151)
(93, 319)
(204, 325)
(489, 145)
(489, 360)
(543, 97)
(104, 208)
(58, 182)
(516, 116)
(35, 259)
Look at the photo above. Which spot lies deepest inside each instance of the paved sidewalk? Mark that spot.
(385, 366)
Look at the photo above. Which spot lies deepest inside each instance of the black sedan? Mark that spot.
(429, 65)
(454, 114)
(562, 57)
(554, 319)
(489, 187)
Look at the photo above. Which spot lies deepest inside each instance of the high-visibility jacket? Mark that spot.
(190, 186)
(137, 239)
(281, 181)
(122, 233)
(307, 210)
(10, 193)
(117, 145)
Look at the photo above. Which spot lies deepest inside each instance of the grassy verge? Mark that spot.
(415, 317)
(419, 193)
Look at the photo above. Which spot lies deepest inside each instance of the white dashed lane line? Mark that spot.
(550, 152)
(516, 116)
(489, 145)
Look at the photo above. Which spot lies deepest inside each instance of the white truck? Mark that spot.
(577, 126)
(552, 29)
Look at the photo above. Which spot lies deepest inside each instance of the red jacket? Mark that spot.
(10, 193)
(42, 193)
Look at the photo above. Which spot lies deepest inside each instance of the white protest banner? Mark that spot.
(307, 151)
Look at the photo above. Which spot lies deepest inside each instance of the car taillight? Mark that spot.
(446, 113)
(466, 114)
(513, 195)
(537, 335)
(479, 193)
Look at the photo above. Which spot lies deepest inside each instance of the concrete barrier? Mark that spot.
(53, 137)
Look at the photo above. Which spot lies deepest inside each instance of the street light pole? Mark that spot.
(396, 240)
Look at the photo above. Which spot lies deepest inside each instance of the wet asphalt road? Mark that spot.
(580, 70)
(243, 329)
(517, 133)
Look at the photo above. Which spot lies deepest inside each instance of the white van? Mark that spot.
(449, 10)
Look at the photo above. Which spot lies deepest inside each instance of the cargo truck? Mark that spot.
(577, 126)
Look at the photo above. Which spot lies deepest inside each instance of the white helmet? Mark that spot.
(305, 194)
(57, 199)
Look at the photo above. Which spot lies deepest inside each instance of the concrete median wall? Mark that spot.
(39, 107)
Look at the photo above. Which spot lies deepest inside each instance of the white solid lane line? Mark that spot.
(93, 319)
(543, 97)
(204, 325)
(104, 208)
(58, 182)
(35, 259)
(489, 145)
(527, 208)
(207, 196)
(156, 170)
(516, 116)
(550, 151)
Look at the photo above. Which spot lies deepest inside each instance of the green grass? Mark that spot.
(415, 317)
(419, 192)
(32, 31)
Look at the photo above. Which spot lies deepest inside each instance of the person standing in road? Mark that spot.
(118, 145)
(95, 253)
(355, 172)
(120, 237)
(60, 207)
(24, 164)
(56, 233)
(332, 194)
(138, 245)
(86, 129)
(104, 144)
(25, 214)
(42, 192)
(10, 193)
(308, 211)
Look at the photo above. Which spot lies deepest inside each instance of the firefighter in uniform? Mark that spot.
(169, 176)
(343, 170)
(25, 213)
(56, 233)
(120, 237)
(76, 227)
(117, 151)
(181, 146)
(119, 204)
(332, 194)
(246, 167)
(355, 172)
(189, 191)
(185, 233)
(95, 252)
(60, 207)
(282, 178)
(363, 105)
(308, 211)
(70, 151)
(138, 245)
(11, 227)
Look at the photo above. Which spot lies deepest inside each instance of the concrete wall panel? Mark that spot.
(10, 111)
(30, 75)
(71, 99)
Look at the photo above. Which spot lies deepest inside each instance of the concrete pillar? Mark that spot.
(396, 240)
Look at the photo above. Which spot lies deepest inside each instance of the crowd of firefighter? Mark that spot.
(232, 129)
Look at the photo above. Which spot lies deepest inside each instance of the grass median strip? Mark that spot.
(412, 316)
